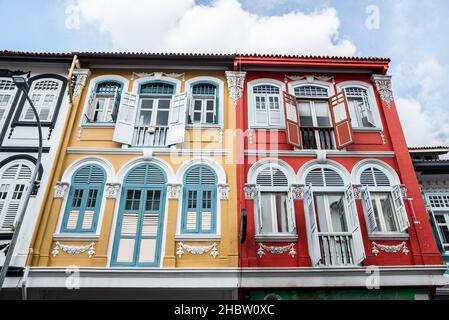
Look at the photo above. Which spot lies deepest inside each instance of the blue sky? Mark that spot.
(411, 32)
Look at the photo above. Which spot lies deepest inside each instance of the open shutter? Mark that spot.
(399, 207)
(341, 120)
(292, 120)
(291, 213)
(354, 226)
(124, 127)
(258, 209)
(312, 234)
(89, 115)
(177, 120)
(371, 223)
(113, 105)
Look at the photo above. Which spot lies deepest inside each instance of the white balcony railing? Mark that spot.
(336, 249)
(150, 136)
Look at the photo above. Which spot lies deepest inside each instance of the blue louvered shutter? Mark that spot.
(84, 202)
(200, 199)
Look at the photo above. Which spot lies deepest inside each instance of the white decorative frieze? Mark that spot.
(157, 75)
(197, 250)
(81, 76)
(297, 191)
(236, 81)
(174, 191)
(223, 191)
(250, 191)
(389, 248)
(383, 86)
(112, 190)
(73, 250)
(276, 249)
(309, 78)
(61, 190)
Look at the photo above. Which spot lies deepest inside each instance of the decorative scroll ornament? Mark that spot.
(250, 191)
(276, 249)
(158, 75)
(174, 191)
(74, 250)
(383, 86)
(297, 191)
(80, 76)
(197, 249)
(61, 189)
(112, 190)
(223, 191)
(389, 249)
(236, 80)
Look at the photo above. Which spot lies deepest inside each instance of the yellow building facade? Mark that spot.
(134, 186)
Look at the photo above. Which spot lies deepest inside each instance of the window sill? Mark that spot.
(204, 126)
(198, 237)
(367, 129)
(98, 125)
(76, 237)
(277, 238)
(389, 236)
(267, 128)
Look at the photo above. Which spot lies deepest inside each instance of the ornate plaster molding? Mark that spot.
(174, 191)
(357, 190)
(61, 190)
(112, 190)
(80, 78)
(158, 75)
(389, 248)
(250, 191)
(236, 81)
(297, 191)
(310, 78)
(73, 250)
(383, 86)
(197, 250)
(223, 191)
(276, 249)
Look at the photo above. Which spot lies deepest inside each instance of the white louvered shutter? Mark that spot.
(258, 210)
(371, 223)
(291, 217)
(274, 111)
(312, 226)
(90, 105)
(354, 226)
(126, 118)
(177, 119)
(401, 214)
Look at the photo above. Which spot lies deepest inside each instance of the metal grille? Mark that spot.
(355, 92)
(439, 201)
(108, 87)
(266, 89)
(157, 89)
(7, 85)
(46, 85)
(204, 89)
(311, 92)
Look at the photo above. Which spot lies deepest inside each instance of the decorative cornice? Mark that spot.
(61, 189)
(112, 190)
(297, 191)
(223, 191)
(276, 249)
(74, 250)
(80, 76)
(250, 191)
(389, 248)
(174, 191)
(196, 250)
(383, 86)
(236, 81)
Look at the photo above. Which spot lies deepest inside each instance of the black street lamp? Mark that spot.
(22, 86)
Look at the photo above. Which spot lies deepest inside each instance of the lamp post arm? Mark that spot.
(29, 191)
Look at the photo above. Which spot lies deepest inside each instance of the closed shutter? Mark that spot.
(127, 240)
(354, 226)
(126, 119)
(292, 125)
(312, 226)
(341, 120)
(177, 119)
(274, 111)
(371, 223)
(401, 213)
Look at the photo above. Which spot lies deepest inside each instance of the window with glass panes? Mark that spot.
(7, 91)
(155, 99)
(204, 103)
(105, 104)
(44, 95)
(267, 106)
(359, 107)
(439, 205)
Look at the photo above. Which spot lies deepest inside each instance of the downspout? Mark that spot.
(24, 283)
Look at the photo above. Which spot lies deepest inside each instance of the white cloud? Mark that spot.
(222, 26)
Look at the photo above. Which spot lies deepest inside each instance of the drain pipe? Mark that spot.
(24, 283)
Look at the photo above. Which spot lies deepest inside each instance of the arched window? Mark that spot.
(273, 203)
(268, 110)
(84, 201)
(204, 105)
(104, 102)
(14, 180)
(7, 90)
(359, 107)
(44, 94)
(139, 230)
(199, 200)
(382, 201)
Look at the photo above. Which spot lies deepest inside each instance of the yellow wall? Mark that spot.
(79, 137)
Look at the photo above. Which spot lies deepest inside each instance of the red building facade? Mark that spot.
(329, 189)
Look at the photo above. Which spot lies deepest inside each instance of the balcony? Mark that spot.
(317, 138)
(150, 136)
(336, 249)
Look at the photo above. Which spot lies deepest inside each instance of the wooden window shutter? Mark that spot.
(292, 120)
(312, 225)
(354, 226)
(177, 119)
(399, 206)
(371, 223)
(341, 120)
(126, 118)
